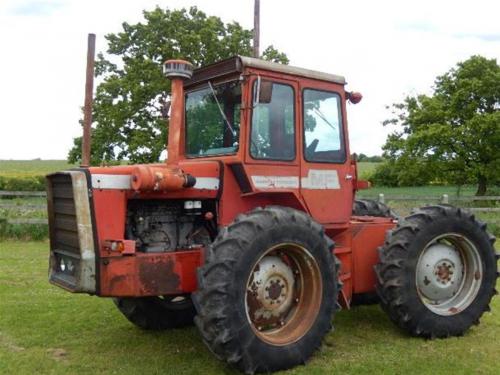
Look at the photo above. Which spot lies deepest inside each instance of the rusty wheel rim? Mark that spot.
(283, 294)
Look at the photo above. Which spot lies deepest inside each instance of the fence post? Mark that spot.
(444, 199)
(381, 198)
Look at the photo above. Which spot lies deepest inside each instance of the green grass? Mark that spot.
(45, 330)
(423, 191)
(31, 167)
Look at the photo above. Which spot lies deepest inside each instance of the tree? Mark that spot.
(454, 134)
(129, 110)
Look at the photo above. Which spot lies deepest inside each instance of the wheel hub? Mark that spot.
(271, 290)
(444, 271)
(440, 272)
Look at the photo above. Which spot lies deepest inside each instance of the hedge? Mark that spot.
(22, 183)
(24, 232)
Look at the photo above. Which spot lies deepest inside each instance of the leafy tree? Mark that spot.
(454, 134)
(130, 120)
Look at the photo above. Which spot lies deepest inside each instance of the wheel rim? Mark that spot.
(283, 294)
(448, 274)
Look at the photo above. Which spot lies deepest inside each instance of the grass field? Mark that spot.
(45, 330)
(31, 167)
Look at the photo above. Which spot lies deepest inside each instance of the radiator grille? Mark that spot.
(63, 227)
(72, 254)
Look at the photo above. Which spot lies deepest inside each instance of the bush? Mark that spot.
(22, 183)
(370, 159)
(385, 174)
(401, 173)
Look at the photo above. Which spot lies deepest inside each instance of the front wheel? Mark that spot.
(437, 272)
(267, 291)
(157, 313)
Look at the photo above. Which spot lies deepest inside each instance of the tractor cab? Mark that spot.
(277, 128)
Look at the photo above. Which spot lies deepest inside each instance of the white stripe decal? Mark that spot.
(283, 182)
(122, 182)
(318, 179)
(209, 183)
(111, 181)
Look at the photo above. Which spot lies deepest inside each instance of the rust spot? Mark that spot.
(118, 279)
(443, 272)
(453, 310)
(477, 275)
(158, 276)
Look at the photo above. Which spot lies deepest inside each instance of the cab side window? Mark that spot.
(323, 133)
(273, 122)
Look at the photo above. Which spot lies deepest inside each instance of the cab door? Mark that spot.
(326, 176)
(272, 161)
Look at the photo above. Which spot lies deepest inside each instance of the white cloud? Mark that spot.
(386, 49)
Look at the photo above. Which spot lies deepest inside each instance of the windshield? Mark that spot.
(213, 119)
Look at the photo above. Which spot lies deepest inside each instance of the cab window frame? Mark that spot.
(342, 135)
(294, 118)
(200, 86)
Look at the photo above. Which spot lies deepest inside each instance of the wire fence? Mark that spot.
(444, 199)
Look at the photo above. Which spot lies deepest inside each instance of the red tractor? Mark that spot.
(249, 227)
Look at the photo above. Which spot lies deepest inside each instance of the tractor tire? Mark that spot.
(268, 290)
(157, 313)
(437, 272)
(369, 207)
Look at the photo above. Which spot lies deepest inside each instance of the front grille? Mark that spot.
(63, 226)
(72, 255)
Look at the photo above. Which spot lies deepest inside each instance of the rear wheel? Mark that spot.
(267, 291)
(157, 313)
(369, 207)
(437, 272)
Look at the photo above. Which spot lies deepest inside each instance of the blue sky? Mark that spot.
(386, 49)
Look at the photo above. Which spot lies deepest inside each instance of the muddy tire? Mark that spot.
(369, 207)
(157, 313)
(437, 272)
(267, 291)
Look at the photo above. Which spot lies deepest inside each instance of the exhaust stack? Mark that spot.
(169, 177)
(177, 71)
(87, 109)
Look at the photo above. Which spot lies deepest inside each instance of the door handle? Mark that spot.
(348, 176)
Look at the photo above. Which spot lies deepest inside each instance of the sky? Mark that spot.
(385, 49)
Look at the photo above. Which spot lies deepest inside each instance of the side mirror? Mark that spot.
(263, 92)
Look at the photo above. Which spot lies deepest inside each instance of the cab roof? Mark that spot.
(237, 64)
